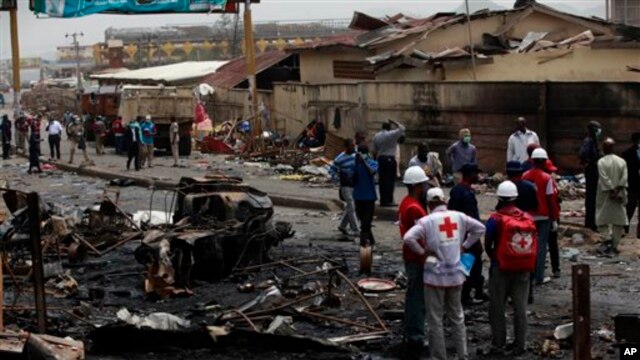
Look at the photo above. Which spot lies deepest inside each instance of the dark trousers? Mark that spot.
(475, 280)
(54, 146)
(591, 178)
(414, 308)
(504, 285)
(387, 170)
(554, 251)
(119, 144)
(6, 149)
(633, 198)
(364, 211)
(133, 153)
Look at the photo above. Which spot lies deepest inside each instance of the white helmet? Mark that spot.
(507, 189)
(540, 153)
(414, 175)
(435, 194)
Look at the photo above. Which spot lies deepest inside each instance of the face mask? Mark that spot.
(598, 132)
(466, 139)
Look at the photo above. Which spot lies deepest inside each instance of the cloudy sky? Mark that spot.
(41, 36)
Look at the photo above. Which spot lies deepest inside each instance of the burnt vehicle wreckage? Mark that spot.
(208, 268)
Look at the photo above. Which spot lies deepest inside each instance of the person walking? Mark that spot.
(5, 133)
(520, 140)
(554, 247)
(364, 193)
(133, 144)
(611, 199)
(77, 140)
(118, 134)
(174, 139)
(632, 157)
(413, 208)
(34, 154)
(461, 153)
(445, 234)
(527, 200)
(100, 132)
(589, 156)
(544, 215)
(463, 199)
(511, 244)
(385, 147)
(148, 131)
(54, 129)
(342, 169)
(34, 126)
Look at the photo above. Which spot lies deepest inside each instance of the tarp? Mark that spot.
(75, 8)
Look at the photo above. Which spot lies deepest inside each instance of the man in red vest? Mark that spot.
(510, 242)
(544, 216)
(412, 209)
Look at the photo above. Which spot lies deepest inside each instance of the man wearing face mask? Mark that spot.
(589, 156)
(462, 153)
(632, 157)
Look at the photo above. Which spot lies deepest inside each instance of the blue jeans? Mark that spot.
(544, 228)
(119, 144)
(414, 307)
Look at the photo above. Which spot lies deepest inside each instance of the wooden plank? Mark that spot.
(33, 201)
(581, 312)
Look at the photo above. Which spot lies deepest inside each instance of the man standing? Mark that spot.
(148, 129)
(443, 234)
(133, 144)
(118, 133)
(632, 157)
(364, 193)
(342, 169)
(611, 216)
(527, 200)
(76, 137)
(100, 132)
(511, 245)
(463, 199)
(412, 209)
(174, 138)
(5, 133)
(54, 128)
(22, 130)
(461, 153)
(520, 140)
(554, 249)
(429, 162)
(544, 215)
(385, 146)
(589, 156)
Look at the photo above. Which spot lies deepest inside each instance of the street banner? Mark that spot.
(76, 8)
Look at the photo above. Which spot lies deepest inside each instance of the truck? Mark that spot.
(162, 103)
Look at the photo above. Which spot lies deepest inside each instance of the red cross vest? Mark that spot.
(517, 246)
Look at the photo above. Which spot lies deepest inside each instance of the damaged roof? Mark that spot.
(370, 32)
(165, 74)
(235, 71)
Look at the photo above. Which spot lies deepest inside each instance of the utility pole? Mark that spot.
(76, 45)
(256, 128)
(471, 47)
(15, 57)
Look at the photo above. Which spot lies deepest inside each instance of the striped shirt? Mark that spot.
(443, 232)
(343, 164)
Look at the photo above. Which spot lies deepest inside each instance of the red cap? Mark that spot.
(550, 167)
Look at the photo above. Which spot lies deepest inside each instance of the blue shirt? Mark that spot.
(463, 199)
(364, 188)
(461, 154)
(148, 129)
(343, 165)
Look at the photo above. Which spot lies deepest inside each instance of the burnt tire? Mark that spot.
(184, 146)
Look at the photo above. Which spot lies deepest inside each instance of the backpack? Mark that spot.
(517, 248)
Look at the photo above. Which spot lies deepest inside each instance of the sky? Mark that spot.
(39, 36)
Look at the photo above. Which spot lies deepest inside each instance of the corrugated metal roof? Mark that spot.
(166, 73)
(235, 71)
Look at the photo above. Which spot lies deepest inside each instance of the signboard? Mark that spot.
(76, 8)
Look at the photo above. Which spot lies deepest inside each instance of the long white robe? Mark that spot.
(612, 171)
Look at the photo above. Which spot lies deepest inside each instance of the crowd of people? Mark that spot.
(442, 247)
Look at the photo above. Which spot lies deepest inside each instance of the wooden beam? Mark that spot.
(581, 312)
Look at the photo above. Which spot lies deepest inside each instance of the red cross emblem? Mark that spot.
(523, 243)
(448, 227)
